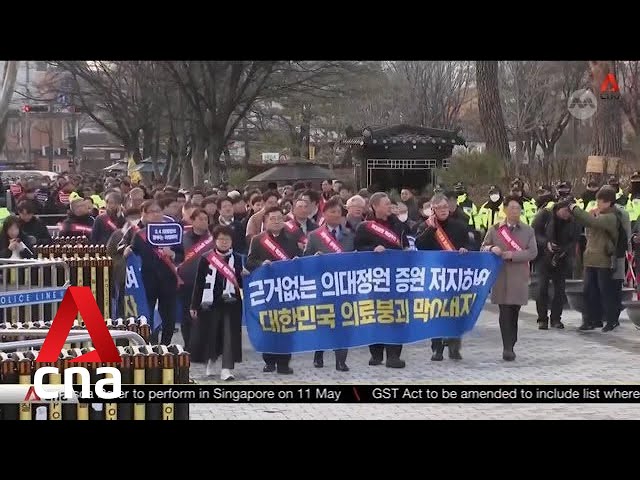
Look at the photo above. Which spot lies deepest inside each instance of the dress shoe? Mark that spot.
(226, 374)
(342, 367)
(285, 371)
(269, 368)
(211, 366)
(586, 326)
(558, 325)
(543, 325)
(375, 361)
(454, 354)
(597, 325)
(318, 360)
(508, 356)
(610, 326)
(395, 363)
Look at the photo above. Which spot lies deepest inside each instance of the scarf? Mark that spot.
(227, 287)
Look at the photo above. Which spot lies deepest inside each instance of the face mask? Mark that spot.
(494, 197)
(403, 217)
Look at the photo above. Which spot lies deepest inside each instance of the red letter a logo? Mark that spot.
(609, 84)
(79, 299)
(31, 395)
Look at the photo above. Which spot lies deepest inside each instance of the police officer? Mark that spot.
(633, 202)
(465, 202)
(455, 238)
(333, 237)
(379, 232)
(528, 204)
(587, 200)
(545, 198)
(262, 251)
(621, 198)
(488, 214)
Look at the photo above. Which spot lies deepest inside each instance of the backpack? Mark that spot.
(621, 246)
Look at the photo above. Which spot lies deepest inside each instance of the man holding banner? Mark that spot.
(272, 245)
(445, 233)
(515, 242)
(382, 231)
(332, 237)
(195, 242)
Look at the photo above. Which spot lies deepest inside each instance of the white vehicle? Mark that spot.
(27, 174)
(270, 157)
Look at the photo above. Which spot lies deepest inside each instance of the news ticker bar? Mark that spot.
(224, 393)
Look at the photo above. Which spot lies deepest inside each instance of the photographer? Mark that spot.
(556, 235)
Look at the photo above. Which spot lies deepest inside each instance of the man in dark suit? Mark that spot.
(332, 237)
(444, 232)
(300, 226)
(272, 245)
(379, 232)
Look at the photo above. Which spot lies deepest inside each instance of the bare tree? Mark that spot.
(432, 92)
(219, 94)
(629, 78)
(490, 109)
(9, 74)
(607, 127)
(122, 97)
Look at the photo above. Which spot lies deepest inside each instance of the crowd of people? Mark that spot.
(231, 231)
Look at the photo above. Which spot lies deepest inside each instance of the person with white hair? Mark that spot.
(355, 211)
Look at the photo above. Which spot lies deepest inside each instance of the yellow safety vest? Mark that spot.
(487, 217)
(633, 208)
(4, 213)
(471, 211)
(529, 211)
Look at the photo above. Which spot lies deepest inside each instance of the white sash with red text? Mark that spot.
(382, 232)
(328, 240)
(273, 248)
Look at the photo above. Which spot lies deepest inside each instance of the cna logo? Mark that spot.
(79, 299)
(609, 87)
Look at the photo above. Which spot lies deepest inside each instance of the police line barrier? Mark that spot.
(31, 288)
(89, 266)
(141, 364)
(32, 330)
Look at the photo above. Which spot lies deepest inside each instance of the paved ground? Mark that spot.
(554, 356)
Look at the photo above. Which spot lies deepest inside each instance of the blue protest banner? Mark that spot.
(164, 234)
(349, 300)
(135, 299)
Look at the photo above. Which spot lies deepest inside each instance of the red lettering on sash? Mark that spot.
(328, 240)
(273, 248)
(383, 232)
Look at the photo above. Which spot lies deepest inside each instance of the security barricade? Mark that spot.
(39, 329)
(31, 289)
(141, 364)
(89, 266)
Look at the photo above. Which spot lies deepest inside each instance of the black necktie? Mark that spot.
(334, 233)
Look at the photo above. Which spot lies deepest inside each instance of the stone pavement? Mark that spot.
(554, 356)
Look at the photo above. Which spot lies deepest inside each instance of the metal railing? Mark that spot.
(79, 337)
(26, 285)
